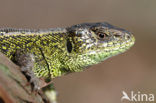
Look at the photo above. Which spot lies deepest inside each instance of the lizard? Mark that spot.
(50, 53)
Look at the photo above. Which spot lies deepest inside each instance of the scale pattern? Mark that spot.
(58, 51)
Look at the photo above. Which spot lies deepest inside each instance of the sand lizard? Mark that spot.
(50, 53)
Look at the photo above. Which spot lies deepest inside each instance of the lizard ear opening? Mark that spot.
(69, 46)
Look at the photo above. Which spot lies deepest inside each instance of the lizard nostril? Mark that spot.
(127, 36)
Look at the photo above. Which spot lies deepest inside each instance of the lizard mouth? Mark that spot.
(118, 44)
(113, 49)
(124, 45)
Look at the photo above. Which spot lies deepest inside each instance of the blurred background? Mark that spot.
(134, 70)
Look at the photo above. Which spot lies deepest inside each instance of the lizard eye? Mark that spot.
(102, 35)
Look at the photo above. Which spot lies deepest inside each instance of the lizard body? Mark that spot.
(55, 52)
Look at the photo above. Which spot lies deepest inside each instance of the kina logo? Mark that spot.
(137, 96)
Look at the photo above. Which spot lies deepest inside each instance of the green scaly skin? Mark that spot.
(54, 52)
(58, 51)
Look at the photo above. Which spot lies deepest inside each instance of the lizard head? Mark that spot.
(91, 43)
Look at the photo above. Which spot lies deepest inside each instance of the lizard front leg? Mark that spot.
(34, 67)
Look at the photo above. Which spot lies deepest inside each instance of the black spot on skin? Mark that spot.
(56, 46)
(1, 34)
(69, 46)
